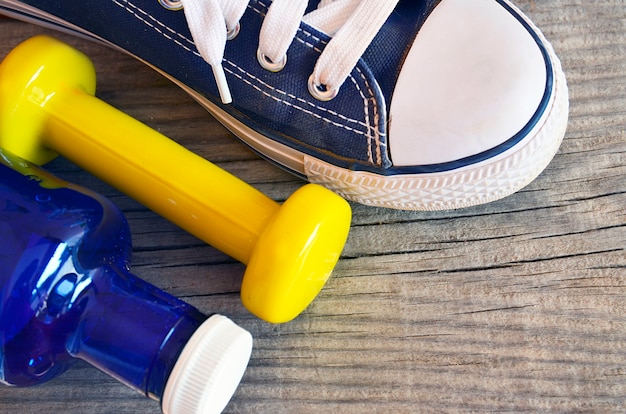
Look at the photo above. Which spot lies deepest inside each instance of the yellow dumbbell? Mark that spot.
(47, 108)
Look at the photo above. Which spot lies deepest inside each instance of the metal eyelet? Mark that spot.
(231, 34)
(321, 92)
(268, 64)
(172, 4)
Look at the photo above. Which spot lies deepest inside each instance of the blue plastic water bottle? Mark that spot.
(66, 293)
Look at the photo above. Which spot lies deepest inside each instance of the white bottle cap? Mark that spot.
(209, 368)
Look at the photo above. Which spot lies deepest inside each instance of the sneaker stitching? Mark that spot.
(366, 101)
(127, 6)
(366, 105)
(161, 28)
(278, 99)
(377, 135)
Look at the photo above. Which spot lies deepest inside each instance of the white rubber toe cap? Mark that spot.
(473, 79)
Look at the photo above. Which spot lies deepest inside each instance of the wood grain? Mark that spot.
(514, 306)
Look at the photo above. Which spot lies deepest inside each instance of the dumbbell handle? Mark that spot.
(200, 197)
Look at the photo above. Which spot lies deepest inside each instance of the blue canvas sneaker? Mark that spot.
(417, 105)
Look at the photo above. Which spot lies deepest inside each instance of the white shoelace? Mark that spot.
(353, 24)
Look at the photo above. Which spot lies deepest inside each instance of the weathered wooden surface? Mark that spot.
(518, 305)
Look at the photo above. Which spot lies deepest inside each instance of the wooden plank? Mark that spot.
(518, 305)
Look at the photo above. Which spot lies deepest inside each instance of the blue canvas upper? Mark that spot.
(349, 131)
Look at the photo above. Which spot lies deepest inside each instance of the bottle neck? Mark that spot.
(131, 330)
